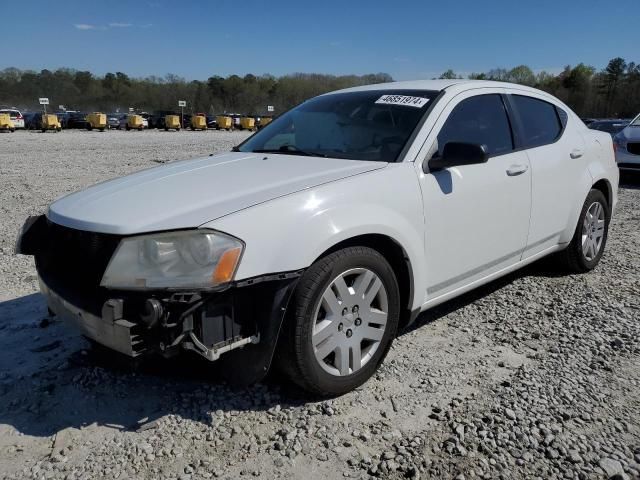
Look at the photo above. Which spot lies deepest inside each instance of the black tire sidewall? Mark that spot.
(307, 297)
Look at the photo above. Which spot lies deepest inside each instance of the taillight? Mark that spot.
(19, 117)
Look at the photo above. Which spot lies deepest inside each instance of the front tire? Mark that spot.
(341, 321)
(590, 237)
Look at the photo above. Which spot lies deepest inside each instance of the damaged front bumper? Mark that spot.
(238, 323)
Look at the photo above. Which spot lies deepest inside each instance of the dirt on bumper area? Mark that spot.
(536, 375)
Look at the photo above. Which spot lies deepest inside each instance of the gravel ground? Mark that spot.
(536, 375)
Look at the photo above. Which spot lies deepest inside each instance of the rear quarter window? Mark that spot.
(540, 121)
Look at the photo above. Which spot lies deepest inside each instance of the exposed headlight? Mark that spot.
(184, 259)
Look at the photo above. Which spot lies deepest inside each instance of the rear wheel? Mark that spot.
(590, 237)
(341, 322)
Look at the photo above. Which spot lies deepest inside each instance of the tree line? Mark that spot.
(82, 90)
(611, 92)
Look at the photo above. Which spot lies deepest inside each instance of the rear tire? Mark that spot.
(590, 237)
(340, 323)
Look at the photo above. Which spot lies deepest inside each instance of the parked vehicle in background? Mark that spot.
(33, 121)
(211, 121)
(64, 118)
(145, 119)
(247, 123)
(627, 146)
(16, 117)
(224, 122)
(77, 120)
(611, 126)
(97, 120)
(6, 123)
(50, 122)
(122, 121)
(113, 120)
(198, 122)
(589, 121)
(321, 236)
(135, 122)
(157, 119)
(172, 122)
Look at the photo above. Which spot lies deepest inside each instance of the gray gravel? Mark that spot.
(534, 376)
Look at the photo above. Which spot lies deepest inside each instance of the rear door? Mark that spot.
(555, 153)
(476, 216)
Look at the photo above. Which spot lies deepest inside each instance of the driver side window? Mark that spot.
(480, 120)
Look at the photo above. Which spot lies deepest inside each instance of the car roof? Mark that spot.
(439, 85)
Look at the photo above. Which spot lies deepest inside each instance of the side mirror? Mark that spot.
(456, 154)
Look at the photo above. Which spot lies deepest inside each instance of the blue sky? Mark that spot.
(408, 39)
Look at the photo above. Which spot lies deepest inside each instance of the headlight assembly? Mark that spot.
(182, 259)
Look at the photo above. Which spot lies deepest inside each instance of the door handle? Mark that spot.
(575, 153)
(515, 170)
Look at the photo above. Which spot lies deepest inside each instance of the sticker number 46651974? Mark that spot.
(406, 100)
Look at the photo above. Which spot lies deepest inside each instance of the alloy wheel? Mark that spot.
(593, 231)
(350, 321)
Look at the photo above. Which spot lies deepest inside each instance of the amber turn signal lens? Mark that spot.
(226, 266)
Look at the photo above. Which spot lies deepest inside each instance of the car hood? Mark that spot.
(187, 194)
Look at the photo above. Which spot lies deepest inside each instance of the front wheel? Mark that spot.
(590, 237)
(341, 321)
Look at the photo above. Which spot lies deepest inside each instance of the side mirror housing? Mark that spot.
(456, 154)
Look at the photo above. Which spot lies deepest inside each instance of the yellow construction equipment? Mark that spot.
(247, 123)
(135, 122)
(223, 122)
(96, 120)
(172, 122)
(50, 122)
(198, 122)
(6, 123)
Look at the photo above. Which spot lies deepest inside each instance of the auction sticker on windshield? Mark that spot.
(417, 102)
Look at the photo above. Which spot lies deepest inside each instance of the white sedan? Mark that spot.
(328, 231)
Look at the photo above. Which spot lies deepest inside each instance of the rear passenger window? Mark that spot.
(540, 121)
(481, 120)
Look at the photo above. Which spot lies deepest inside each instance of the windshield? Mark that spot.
(635, 122)
(367, 125)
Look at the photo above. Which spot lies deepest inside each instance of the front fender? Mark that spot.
(291, 232)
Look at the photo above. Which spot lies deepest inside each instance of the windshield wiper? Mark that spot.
(290, 150)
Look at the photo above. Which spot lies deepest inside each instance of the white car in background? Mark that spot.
(16, 117)
(627, 145)
(321, 236)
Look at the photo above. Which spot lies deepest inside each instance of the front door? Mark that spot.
(476, 216)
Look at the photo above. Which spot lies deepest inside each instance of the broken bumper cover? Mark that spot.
(239, 327)
(115, 333)
(239, 322)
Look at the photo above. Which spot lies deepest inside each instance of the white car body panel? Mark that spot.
(459, 228)
(484, 211)
(318, 218)
(189, 193)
